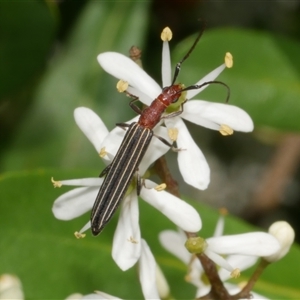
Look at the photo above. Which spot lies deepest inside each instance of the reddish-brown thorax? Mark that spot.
(152, 114)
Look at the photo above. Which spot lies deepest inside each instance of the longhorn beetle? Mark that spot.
(120, 172)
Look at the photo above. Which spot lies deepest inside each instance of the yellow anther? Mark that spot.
(235, 273)
(173, 134)
(102, 152)
(56, 183)
(160, 187)
(223, 211)
(225, 130)
(228, 60)
(79, 235)
(132, 240)
(166, 34)
(122, 86)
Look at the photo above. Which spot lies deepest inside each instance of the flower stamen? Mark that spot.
(166, 34)
(133, 240)
(102, 152)
(79, 235)
(56, 183)
(122, 86)
(228, 60)
(225, 130)
(160, 187)
(173, 134)
(235, 273)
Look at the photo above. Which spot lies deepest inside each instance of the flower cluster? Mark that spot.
(232, 253)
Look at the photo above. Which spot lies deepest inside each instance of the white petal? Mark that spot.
(219, 260)
(202, 291)
(113, 140)
(147, 273)
(91, 125)
(74, 203)
(178, 211)
(101, 296)
(94, 181)
(174, 241)
(162, 284)
(219, 227)
(212, 115)
(192, 163)
(253, 243)
(124, 68)
(145, 99)
(156, 149)
(127, 238)
(166, 65)
(209, 77)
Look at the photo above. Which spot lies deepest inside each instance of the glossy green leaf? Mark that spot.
(265, 78)
(49, 135)
(52, 264)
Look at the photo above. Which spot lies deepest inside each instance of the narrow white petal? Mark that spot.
(202, 291)
(124, 68)
(127, 238)
(174, 241)
(156, 149)
(94, 181)
(212, 115)
(162, 284)
(253, 243)
(101, 296)
(91, 125)
(219, 227)
(76, 296)
(192, 163)
(74, 203)
(166, 65)
(178, 211)
(209, 77)
(219, 260)
(147, 273)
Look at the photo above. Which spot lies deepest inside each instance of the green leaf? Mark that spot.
(26, 32)
(49, 136)
(52, 264)
(264, 79)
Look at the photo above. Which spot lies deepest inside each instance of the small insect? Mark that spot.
(120, 172)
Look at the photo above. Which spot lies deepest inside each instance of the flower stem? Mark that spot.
(246, 291)
(218, 291)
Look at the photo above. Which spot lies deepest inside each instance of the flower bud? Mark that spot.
(285, 235)
(10, 287)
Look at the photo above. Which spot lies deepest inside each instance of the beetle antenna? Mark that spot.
(178, 65)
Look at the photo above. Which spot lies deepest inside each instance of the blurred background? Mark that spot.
(48, 67)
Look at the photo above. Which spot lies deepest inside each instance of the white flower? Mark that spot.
(241, 251)
(147, 274)
(216, 116)
(127, 238)
(285, 235)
